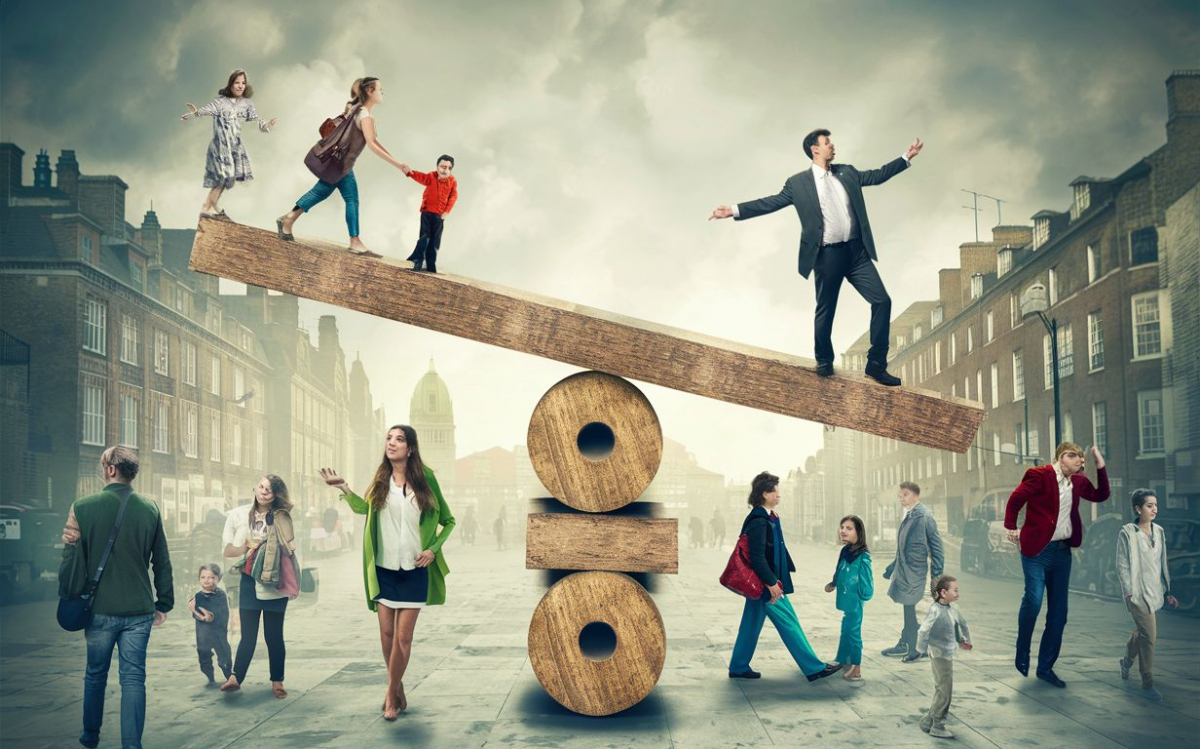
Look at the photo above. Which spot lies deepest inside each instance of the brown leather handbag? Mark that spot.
(333, 156)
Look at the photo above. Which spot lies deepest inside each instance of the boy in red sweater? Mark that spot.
(441, 192)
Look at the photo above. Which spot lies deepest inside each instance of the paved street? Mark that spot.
(470, 683)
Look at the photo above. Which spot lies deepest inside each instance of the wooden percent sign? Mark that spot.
(594, 439)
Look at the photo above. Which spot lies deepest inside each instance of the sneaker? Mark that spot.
(896, 651)
(914, 657)
(939, 730)
(1152, 694)
(926, 723)
(1125, 668)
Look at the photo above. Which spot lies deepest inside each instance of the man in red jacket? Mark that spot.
(441, 193)
(1050, 495)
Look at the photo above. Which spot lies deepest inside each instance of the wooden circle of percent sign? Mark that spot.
(577, 682)
(577, 481)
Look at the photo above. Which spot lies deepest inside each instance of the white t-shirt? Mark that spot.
(239, 531)
(399, 530)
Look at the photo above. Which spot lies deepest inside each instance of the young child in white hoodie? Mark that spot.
(944, 629)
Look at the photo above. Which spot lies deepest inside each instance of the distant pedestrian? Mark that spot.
(770, 560)
(1050, 497)
(717, 526)
(470, 525)
(227, 162)
(918, 560)
(404, 567)
(943, 629)
(696, 529)
(125, 606)
(210, 609)
(1146, 584)
(267, 523)
(854, 583)
(500, 528)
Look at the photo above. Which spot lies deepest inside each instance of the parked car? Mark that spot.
(30, 552)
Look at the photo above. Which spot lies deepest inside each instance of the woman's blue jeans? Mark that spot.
(348, 187)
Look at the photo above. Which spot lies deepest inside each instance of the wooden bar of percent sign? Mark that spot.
(576, 541)
(585, 337)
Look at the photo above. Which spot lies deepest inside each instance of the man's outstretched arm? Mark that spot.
(753, 208)
(892, 168)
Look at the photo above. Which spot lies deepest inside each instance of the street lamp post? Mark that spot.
(1034, 302)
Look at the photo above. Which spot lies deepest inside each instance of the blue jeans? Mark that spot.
(783, 616)
(131, 635)
(348, 187)
(1048, 574)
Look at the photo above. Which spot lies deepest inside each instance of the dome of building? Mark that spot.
(431, 402)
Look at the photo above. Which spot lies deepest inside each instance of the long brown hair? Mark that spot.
(359, 91)
(414, 475)
(228, 90)
(280, 501)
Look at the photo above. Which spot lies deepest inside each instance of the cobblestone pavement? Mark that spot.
(470, 683)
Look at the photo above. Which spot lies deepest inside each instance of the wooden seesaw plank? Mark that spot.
(583, 336)
(574, 541)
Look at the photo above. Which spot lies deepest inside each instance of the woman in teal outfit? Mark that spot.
(771, 562)
(403, 567)
(854, 585)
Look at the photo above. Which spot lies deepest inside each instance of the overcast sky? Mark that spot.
(592, 140)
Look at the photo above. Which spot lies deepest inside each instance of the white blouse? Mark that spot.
(399, 530)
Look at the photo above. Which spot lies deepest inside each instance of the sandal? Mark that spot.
(208, 214)
(363, 252)
(286, 237)
(231, 685)
(277, 688)
(222, 215)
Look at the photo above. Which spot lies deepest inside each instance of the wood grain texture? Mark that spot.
(577, 682)
(569, 541)
(585, 337)
(578, 481)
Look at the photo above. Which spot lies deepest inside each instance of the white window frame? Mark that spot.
(953, 348)
(129, 420)
(1163, 322)
(189, 363)
(95, 326)
(1093, 264)
(937, 357)
(1095, 341)
(976, 286)
(191, 434)
(1018, 367)
(1047, 362)
(161, 424)
(991, 328)
(93, 414)
(970, 338)
(162, 352)
(1052, 286)
(214, 435)
(1100, 426)
(996, 455)
(1066, 351)
(131, 340)
(995, 373)
(1152, 428)
(214, 372)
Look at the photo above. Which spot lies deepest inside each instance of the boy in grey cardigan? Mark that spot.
(1146, 583)
(944, 629)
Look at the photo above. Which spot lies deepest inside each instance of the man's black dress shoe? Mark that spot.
(880, 374)
(1050, 677)
(827, 671)
(825, 369)
(749, 674)
(1022, 664)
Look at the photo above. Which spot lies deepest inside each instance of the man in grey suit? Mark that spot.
(918, 562)
(835, 241)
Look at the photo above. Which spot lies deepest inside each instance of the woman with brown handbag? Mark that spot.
(332, 161)
(771, 561)
(263, 525)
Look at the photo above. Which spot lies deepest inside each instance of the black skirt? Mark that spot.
(403, 589)
(248, 598)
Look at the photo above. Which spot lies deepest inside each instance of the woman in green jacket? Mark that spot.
(403, 566)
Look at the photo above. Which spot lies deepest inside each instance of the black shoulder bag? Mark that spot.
(75, 614)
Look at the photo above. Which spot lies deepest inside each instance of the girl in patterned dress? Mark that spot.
(227, 162)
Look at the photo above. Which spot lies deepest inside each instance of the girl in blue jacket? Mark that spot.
(854, 585)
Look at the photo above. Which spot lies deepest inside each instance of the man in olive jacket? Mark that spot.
(918, 561)
(125, 606)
